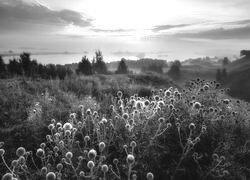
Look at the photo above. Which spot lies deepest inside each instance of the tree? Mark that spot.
(84, 67)
(25, 63)
(99, 65)
(225, 61)
(122, 67)
(174, 70)
(2, 65)
(14, 67)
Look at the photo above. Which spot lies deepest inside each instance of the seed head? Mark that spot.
(150, 176)
(50, 176)
(91, 164)
(104, 168)
(67, 126)
(130, 159)
(69, 155)
(101, 146)
(20, 151)
(7, 176)
(92, 154)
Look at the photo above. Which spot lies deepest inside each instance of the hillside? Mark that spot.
(238, 80)
(137, 65)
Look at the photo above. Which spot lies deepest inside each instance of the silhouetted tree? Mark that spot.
(174, 70)
(122, 67)
(14, 67)
(225, 61)
(51, 71)
(2, 65)
(25, 63)
(99, 65)
(84, 67)
(245, 53)
(2, 68)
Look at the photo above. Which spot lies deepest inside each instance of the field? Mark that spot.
(121, 127)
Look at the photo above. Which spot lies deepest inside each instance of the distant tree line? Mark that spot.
(98, 66)
(31, 68)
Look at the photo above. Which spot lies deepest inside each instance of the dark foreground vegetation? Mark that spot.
(57, 122)
(121, 127)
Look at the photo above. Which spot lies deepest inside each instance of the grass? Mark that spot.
(121, 127)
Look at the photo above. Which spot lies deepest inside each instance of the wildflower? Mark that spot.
(115, 161)
(101, 146)
(14, 163)
(125, 116)
(51, 126)
(69, 155)
(67, 126)
(119, 94)
(169, 125)
(88, 112)
(197, 105)
(7, 176)
(50, 176)
(167, 93)
(225, 173)
(59, 166)
(20, 151)
(67, 133)
(215, 156)
(40, 153)
(86, 138)
(161, 120)
(92, 154)
(133, 144)
(82, 174)
(42, 145)
(130, 159)
(104, 120)
(104, 168)
(146, 103)
(191, 126)
(44, 170)
(150, 176)
(91, 164)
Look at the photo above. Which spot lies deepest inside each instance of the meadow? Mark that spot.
(129, 127)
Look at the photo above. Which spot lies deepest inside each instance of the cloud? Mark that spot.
(111, 30)
(16, 14)
(240, 22)
(220, 33)
(166, 27)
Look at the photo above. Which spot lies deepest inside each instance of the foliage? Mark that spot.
(84, 67)
(153, 68)
(174, 70)
(122, 67)
(98, 63)
(194, 133)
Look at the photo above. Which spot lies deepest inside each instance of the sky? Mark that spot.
(163, 29)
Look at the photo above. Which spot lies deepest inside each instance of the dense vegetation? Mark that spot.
(116, 127)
